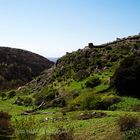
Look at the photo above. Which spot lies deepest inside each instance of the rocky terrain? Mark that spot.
(91, 60)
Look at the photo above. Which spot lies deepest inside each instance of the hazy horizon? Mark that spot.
(51, 27)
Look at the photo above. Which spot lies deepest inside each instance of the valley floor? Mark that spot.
(50, 121)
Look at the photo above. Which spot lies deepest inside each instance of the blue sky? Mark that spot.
(54, 27)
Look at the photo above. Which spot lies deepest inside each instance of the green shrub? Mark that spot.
(107, 101)
(132, 134)
(27, 101)
(81, 75)
(51, 93)
(126, 104)
(108, 48)
(90, 102)
(39, 99)
(109, 64)
(47, 94)
(58, 102)
(128, 122)
(11, 94)
(19, 101)
(75, 93)
(63, 134)
(2, 95)
(92, 82)
(6, 128)
(26, 128)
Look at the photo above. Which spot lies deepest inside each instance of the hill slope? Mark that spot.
(18, 67)
(94, 60)
(81, 79)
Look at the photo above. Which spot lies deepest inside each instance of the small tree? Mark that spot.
(126, 79)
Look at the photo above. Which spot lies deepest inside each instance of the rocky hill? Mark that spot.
(85, 76)
(93, 59)
(18, 67)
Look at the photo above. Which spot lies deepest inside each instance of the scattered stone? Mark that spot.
(93, 113)
(81, 114)
(46, 119)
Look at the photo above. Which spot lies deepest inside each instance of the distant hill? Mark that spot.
(18, 67)
(54, 59)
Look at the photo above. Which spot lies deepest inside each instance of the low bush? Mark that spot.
(11, 94)
(19, 101)
(108, 48)
(132, 134)
(75, 93)
(128, 122)
(2, 95)
(58, 102)
(63, 134)
(92, 82)
(46, 94)
(27, 101)
(81, 75)
(126, 104)
(26, 128)
(109, 64)
(109, 100)
(90, 102)
(39, 99)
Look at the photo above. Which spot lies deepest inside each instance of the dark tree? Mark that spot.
(126, 79)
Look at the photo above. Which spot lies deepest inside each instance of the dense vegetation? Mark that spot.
(127, 77)
(92, 93)
(85, 71)
(18, 67)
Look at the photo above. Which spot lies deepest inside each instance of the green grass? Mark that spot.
(75, 85)
(11, 108)
(101, 88)
(126, 104)
(96, 128)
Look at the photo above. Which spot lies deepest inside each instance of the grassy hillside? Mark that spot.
(98, 127)
(83, 74)
(79, 98)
